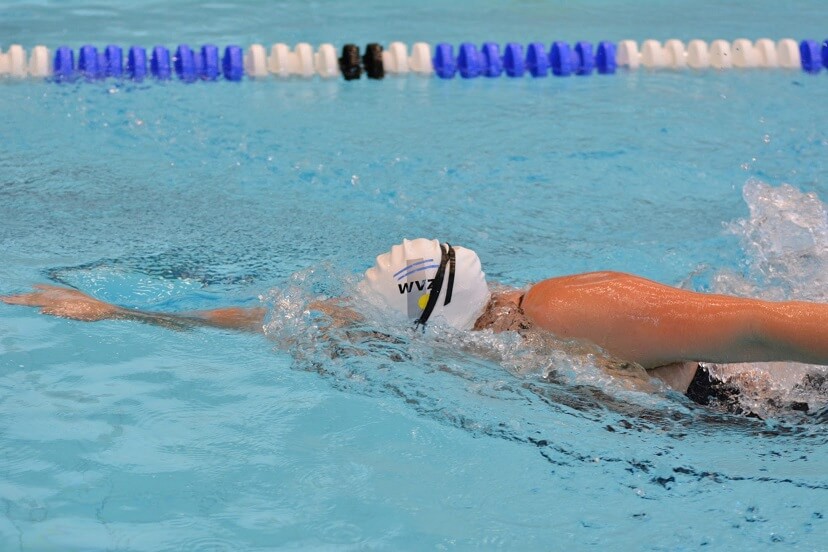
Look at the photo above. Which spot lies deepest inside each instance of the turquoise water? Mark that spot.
(121, 436)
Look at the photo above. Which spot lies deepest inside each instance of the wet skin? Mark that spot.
(654, 325)
(661, 328)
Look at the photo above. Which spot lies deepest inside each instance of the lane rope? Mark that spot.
(468, 61)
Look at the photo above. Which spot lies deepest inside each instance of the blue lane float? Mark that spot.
(825, 54)
(64, 66)
(469, 61)
(810, 56)
(113, 61)
(209, 62)
(88, 62)
(605, 58)
(136, 63)
(537, 62)
(233, 63)
(184, 64)
(561, 58)
(160, 63)
(513, 60)
(491, 60)
(585, 58)
(444, 63)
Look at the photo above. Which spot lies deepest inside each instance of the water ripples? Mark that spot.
(120, 435)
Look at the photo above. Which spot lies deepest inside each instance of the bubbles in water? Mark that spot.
(786, 241)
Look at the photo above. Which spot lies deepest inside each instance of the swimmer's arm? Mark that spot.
(656, 325)
(249, 319)
(76, 305)
(339, 314)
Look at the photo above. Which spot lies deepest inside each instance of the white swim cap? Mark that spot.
(426, 280)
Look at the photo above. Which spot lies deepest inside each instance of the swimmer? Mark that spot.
(666, 330)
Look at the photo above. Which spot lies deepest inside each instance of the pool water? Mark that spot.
(171, 197)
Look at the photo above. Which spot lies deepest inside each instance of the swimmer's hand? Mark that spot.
(76, 305)
(340, 315)
(64, 302)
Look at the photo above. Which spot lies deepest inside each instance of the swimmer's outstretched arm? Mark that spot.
(71, 303)
(656, 325)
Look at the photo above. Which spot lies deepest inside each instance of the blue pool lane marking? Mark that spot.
(809, 53)
(491, 60)
(88, 62)
(185, 65)
(469, 61)
(585, 58)
(113, 61)
(561, 56)
(513, 60)
(537, 62)
(445, 66)
(605, 58)
(209, 62)
(64, 66)
(160, 63)
(233, 64)
(136, 63)
(825, 54)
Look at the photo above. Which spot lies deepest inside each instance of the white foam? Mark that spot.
(785, 241)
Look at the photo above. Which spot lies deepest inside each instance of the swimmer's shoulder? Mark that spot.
(504, 312)
(582, 279)
(577, 288)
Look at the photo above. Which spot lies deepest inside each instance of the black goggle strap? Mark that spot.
(437, 285)
(452, 264)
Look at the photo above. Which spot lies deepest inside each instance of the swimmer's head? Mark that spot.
(427, 280)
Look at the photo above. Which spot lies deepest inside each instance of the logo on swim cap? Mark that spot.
(426, 280)
(413, 283)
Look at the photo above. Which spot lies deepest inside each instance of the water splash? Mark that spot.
(445, 371)
(577, 407)
(785, 243)
(532, 389)
(357, 329)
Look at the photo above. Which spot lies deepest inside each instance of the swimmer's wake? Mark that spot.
(523, 385)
